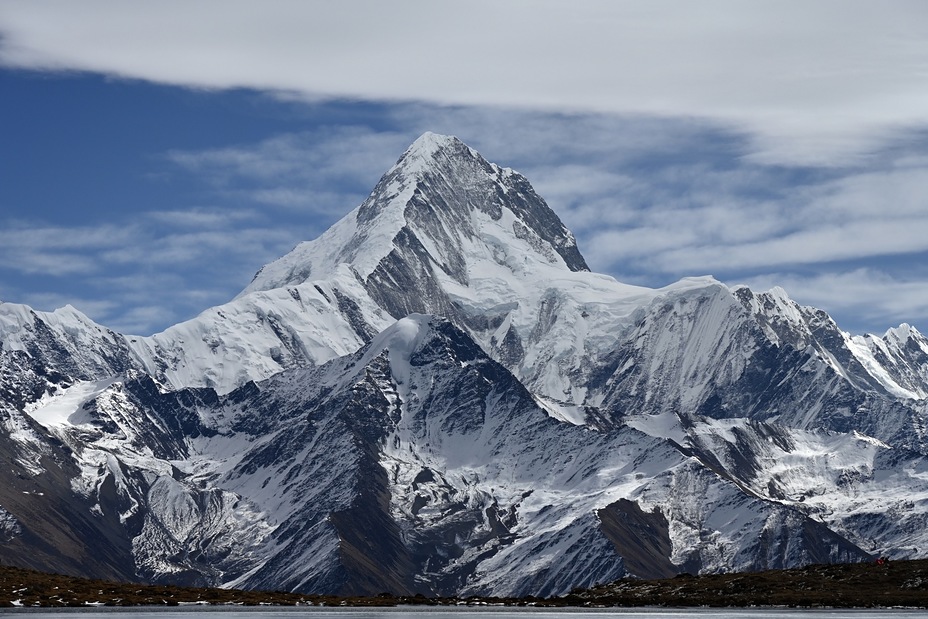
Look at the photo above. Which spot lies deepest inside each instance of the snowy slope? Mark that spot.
(471, 487)
(256, 336)
(867, 490)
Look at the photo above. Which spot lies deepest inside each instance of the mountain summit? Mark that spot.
(437, 396)
(440, 206)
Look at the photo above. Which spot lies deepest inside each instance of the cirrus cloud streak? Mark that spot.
(821, 83)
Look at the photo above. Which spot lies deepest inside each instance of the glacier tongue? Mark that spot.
(441, 367)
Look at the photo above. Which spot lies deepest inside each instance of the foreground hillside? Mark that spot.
(857, 585)
(848, 585)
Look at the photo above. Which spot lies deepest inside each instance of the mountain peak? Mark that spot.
(434, 153)
(427, 144)
(442, 206)
(902, 333)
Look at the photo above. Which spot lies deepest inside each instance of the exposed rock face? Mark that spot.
(436, 396)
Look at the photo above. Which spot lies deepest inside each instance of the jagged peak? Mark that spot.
(453, 178)
(774, 302)
(18, 314)
(438, 195)
(431, 152)
(429, 144)
(775, 294)
(903, 333)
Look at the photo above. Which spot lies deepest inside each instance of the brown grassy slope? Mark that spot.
(30, 588)
(899, 583)
(862, 585)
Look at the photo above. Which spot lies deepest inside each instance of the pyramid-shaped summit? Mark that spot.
(442, 206)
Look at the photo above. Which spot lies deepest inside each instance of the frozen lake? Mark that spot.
(460, 613)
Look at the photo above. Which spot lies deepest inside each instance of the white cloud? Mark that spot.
(638, 214)
(57, 250)
(142, 305)
(16, 236)
(857, 216)
(323, 172)
(138, 320)
(820, 82)
(201, 217)
(183, 236)
(137, 277)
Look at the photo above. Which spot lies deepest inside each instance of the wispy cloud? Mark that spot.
(146, 272)
(21, 235)
(821, 82)
(200, 217)
(723, 223)
(141, 305)
(323, 172)
(57, 250)
(179, 237)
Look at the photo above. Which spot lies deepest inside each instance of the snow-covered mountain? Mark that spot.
(438, 396)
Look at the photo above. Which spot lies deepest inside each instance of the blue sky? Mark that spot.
(155, 156)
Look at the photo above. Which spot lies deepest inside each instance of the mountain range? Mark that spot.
(438, 396)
